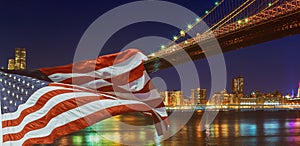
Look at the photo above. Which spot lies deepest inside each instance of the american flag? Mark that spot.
(37, 112)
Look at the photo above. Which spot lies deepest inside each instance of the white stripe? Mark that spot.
(72, 86)
(44, 110)
(70, 116)
(95, 84)
(152, 94)
(32, 101)
(161, 111)
(135, 85)
(107, 72)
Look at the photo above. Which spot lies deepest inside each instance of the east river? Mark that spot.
(251, 128)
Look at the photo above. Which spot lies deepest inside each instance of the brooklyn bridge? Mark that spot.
(232, 25)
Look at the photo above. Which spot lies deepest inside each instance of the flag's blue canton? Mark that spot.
(16, 89)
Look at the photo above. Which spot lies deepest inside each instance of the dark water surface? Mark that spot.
(269, 128)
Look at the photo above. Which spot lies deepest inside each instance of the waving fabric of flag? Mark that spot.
(37, 111)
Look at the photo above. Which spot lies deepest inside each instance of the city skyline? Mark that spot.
(266, 67)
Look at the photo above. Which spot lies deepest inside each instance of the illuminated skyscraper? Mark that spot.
(11, 64)
(298, 90)
(20, 58)
(198, 96)
(238, 85)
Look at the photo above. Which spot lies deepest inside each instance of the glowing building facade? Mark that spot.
(172, 98)
(11, 64)
(198, 96)
(238, 85)
(20, 58)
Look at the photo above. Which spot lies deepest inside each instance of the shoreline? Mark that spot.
(231, 109)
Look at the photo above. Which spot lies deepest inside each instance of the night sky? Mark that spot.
(51, 29)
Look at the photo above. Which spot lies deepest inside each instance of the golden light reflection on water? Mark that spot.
(236, 129)
(64, 141)
(224, 129)
(217, 130)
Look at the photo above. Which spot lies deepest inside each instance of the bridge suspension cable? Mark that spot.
(244, 12)
(234, 13)
(191, 26)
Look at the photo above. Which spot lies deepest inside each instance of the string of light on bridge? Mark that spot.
(182, 33)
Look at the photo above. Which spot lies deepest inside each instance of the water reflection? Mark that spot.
(248, 129)
(77, 140)
(229, 128)
(271, 127)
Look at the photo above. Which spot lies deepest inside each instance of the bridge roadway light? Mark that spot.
(182, 33)
(175, 38)
(189, 26)
(270, 4)
(162, 46)
(198, 19)
(216, 3)
(152, 55)
(206, 12)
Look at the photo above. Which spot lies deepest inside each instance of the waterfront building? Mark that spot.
(228, 98)
(217, 98)
(20, 58)
(248, 101)
(198, 96)
(176, 97)
(292, 98)
(172, 98)
(164, 96)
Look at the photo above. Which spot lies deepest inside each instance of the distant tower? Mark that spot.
(238, 85)
(298, 90)
(11, 64)
(20, 58)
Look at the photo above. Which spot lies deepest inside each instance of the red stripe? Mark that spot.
(83, 123)
(39, 104)
(128, 77)
(81, 88)
(91, 65)
(53, 112)
(79, 80)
